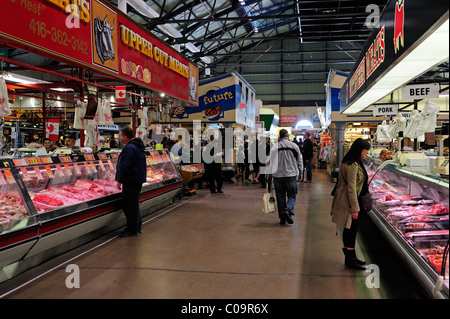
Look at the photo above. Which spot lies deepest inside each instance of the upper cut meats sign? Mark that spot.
(97, 35)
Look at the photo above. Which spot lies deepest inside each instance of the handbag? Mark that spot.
(365, 200)
(269, 199)
(333, 192)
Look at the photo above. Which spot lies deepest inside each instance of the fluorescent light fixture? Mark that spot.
(62, 89)
(206, 59)
(304, 123)
(142, 7)
(430, 52)
(191, 47)
(22, 79)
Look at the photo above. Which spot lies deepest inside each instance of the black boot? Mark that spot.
(351, 261)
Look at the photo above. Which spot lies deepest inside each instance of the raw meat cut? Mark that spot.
(45, 199)
(11, 207)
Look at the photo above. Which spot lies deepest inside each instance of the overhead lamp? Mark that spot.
(142, 7)
(62, 89)
(191, 47)
(206, 59)
(431, 52)
(304, 123)
(22, 79)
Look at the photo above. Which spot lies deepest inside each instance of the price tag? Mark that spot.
(102, 167)
(19, 162)
(93, 167)
(38, 173)
(102, 156)
(59, 170)
(65, 159)
(2, 179)
(33, 161)
(46, 160)
(77, 169)
(49, 171)
(89, 157)
(69, 172)
(87, 168)
(9, 176)
(110, 164)
(25, 175)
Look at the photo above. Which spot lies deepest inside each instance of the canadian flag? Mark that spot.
(52, 130)
(121, 94)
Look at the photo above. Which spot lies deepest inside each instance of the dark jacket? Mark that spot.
(132, 165)
(308, 149)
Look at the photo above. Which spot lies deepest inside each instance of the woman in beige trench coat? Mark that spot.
(352, 181)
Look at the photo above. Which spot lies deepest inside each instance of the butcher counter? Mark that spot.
(411, 208)
(49, 205)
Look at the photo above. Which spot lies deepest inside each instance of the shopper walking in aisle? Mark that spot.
(240, 157)
(352, 183)
(285, 164)
(215, 167)
(131, 173)
(308, 153)
(246, 162)
(263, 145)
(255, 160)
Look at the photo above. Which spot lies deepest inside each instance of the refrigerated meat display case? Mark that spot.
(49, 205)
(411, 208)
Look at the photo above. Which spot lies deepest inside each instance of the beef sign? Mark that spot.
(103, 39)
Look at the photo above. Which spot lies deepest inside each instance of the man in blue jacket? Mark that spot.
(131, 173)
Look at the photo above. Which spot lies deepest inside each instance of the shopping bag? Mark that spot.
(383, 135)
(269, 199)
(269, 203)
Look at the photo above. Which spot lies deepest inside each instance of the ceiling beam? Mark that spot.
(313, 17)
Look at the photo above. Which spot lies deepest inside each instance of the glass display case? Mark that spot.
(412, 209)
(12, 203)
(43, 188)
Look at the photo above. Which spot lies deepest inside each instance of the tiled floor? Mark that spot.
(220, 246)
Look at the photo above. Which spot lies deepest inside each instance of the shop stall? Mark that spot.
(411, 197)
(227, 99)
(411, 208)
(89, 79)
(51, 204)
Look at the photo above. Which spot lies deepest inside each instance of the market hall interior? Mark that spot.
(222, 246)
